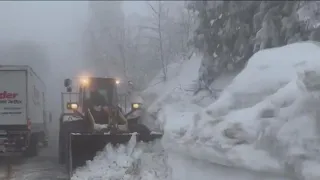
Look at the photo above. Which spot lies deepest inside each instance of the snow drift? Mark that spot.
(266, 120)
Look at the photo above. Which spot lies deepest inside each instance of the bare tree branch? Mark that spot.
(153, 9)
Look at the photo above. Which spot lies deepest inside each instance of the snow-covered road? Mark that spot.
(38, 168)
(43, 167)
(188, 168)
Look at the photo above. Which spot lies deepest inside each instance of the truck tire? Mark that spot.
(61, 157)
(33, 148)
(68, 157)
(61, 149)
(44, 139)
(45, 143)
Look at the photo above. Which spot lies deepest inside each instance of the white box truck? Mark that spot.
(22, 111)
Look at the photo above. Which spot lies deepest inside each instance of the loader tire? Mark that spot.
(61, 158)
(65, 129)
(33, 148)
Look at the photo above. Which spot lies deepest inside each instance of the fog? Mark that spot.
(58, 32)
(55, 25)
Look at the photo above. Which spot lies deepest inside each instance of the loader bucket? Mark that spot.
(84, 147)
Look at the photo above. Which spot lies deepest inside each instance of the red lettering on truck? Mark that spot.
(8, 95)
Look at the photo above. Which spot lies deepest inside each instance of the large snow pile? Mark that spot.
(133, 161)
(181, 85)
(180, 89)
(266, 120)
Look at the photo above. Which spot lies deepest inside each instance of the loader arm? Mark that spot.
(91, 120)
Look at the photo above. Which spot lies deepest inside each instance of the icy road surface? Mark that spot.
(43, 167)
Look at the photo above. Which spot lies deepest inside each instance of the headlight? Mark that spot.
(136, 106)
(117, 81)
(84, 81)
(72, 106)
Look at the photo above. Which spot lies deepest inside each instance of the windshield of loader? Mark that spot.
(102, 92)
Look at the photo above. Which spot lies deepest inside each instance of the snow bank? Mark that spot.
(134, 161)
(266, 120)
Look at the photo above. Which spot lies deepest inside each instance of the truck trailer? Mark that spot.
(22, 111)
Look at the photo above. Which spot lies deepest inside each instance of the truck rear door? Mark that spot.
(13, 97)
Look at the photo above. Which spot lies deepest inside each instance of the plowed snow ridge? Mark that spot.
(134, 161)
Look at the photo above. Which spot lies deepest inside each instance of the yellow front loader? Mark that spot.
(86, 128)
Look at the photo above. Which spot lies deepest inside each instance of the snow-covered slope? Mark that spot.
(181, 83)
(180, 88)
(266, 120)
(181, 77)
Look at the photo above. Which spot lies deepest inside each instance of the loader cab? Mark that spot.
(90, 86)
(105, 87)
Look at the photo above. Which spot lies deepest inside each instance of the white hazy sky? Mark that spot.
(135, 6)
(59, 26)
(40, 18)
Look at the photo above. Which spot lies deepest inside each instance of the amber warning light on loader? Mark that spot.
(84, 81)
(72, 106)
